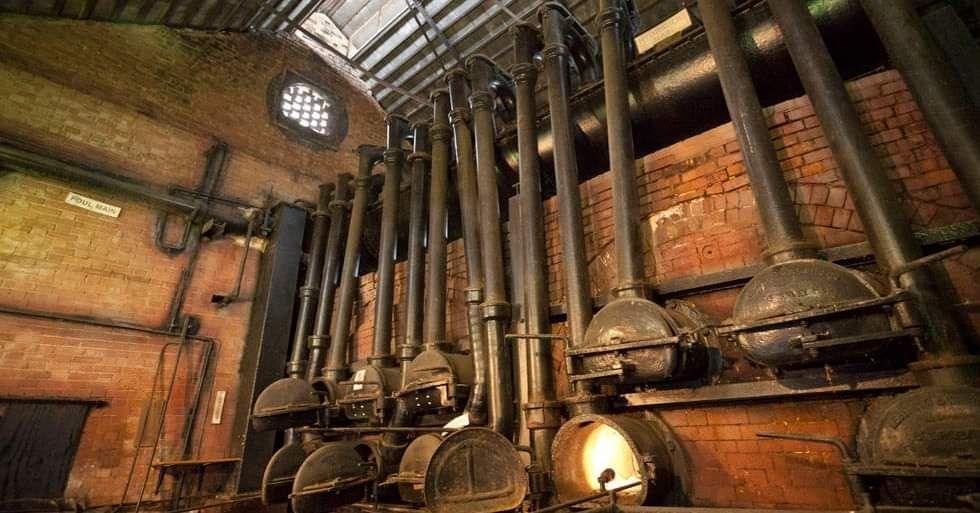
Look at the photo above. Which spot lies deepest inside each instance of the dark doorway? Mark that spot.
(38, 440)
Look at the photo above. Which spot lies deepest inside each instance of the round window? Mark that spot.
(309, 113)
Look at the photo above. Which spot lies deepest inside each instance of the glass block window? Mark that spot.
(307, 113)
(303, 104)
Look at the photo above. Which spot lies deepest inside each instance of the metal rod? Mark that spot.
(876, 203)
(541, 403)
(163, 414)
(331, 270)
(468, 195)
(435, 306)
(387, 248)
(337, 369)
(496, 308)
(574, 266)
(622, 159)
(296, 368)
(588, 498)
(777, 214)
(944, 101)
(415, 283)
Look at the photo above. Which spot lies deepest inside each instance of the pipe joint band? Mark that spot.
(394, 156)
(524, 72)
(440, 132)
(317, 341)
(481, 101)
(339, 205)
(495, 311)
(555, 50)
(296, 366)
(308, 292)
(419, 155)
(320, 213)
(474, 295)
(362, 182)
(459, 115)
(610, 18)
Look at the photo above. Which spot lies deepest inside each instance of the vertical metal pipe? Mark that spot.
(468, 196)
(945, 103)
(337, 369)
(777, 213)
(331, 267)
(541, 411)
(577, 297)
(496, 308)
(622, 160)
(888, 232)
(435, 306)
(304, 319)
(415, 282)
(387, 247)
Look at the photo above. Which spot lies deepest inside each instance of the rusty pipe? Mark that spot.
(296, 367)
(777, 214)
(888, 233)
(435, 306)
(496, 308)
(328, 283)
(944, 101)
(578, 300)
(415, 282)
(622, 158)
(394, 158)
(468, 194)
(541, 410)
(337, 369)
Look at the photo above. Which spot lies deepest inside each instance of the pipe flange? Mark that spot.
(524, 72)
(394, 156)
(459, 115)
(440, 133)
(296, 367)
(610, 18)
(419, 155)
(320, 213)
(318, 341)
(338, 205)
(362, 182)
(308, 292)
(496, 311)
(555, 50)
(481, 101)
(473, 295)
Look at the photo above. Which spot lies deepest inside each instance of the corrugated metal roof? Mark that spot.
(197, 14)
(402, 47)
(399, 48)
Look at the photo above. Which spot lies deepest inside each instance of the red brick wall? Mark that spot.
(144, 102)
(699, 216)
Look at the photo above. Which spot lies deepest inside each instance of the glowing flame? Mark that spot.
(605, 448)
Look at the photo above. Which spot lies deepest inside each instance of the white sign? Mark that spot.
(219, 406)
(92, 205)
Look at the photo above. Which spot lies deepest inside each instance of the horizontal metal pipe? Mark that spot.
(676, 94)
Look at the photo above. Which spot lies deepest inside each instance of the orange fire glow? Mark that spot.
(605, 448)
